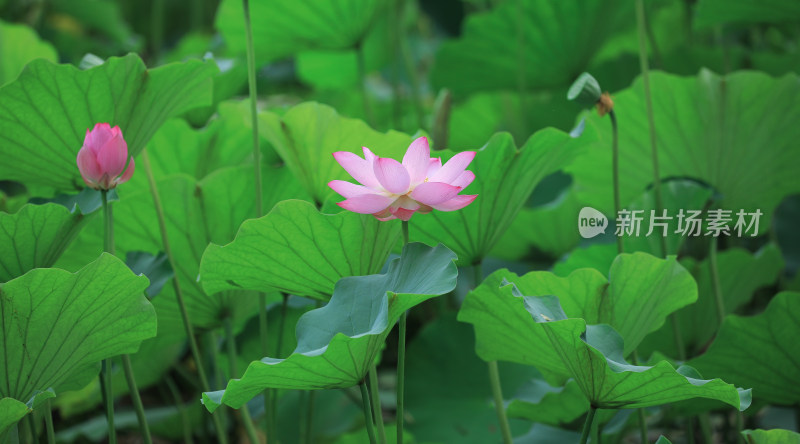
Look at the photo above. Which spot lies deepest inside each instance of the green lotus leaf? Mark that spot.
(11, 410)
(307, 136)
(741, 273)
(285, 27)
(504, 179)
(639, 294)
(298, 250)
(38, 234)
(56, 327)
(594, 356)
(533, 43)
(45, 113)
(338, 343)
(749, 158)
(198, 213)
(760, 351)
(722, 12)
(19, 45)
(474, 120)
(543, 403)
(774, 436)
(225, 142)
(541, 228)
(447, 390)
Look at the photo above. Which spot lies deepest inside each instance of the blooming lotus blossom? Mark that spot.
(102, 158)
(393, 190)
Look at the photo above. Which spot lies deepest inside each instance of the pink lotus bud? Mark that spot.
(102, 158)
(393, 190)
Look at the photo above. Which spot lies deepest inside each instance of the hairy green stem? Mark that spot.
(587, 426)
(233, 372)
(48, 421)
(719, 301)
(253, 92)
(30, 431)
(401, 374)
(176, 396)
(13, 434)
(310, 417)
(251, 82)
(519, 25)
(377, 412)
(408, 64)
(397, 104)
(640, 411)
(739, 426)
(213, 348)
(162, 225)
(499, 406)
(302, 403)
(705, 427)
(108, 398)
(367, 413)
(645, 69)
(494, 374)
(269, 399)
(401, 358)
(278, 353)
(644, 66)
(137, 400)
(615, 172)
(105, 372)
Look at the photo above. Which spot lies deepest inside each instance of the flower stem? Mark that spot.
(31, 429)
(272, 425)
(499, 406)
(401, 358)
(587, 426)
(233, 371)
(137, 400)
(368, 413)
(162, 225)
(401, 375)
(185, 424)
(377, 412)
(310, 416)
(108, 399)
(109, 247)
(362, 80)
(269, 416)
(494, 374)
(408, 64)
(48, 420)
(105, 372)
(251, 81)
(267, 394)
(13, 434)
(739, 426)
(720, 302)
(615, 172)
(640, 411)
(644, 66)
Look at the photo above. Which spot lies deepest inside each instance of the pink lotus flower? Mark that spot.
(394, 190)
(102, 158)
